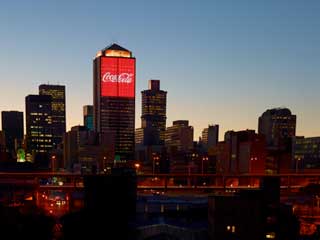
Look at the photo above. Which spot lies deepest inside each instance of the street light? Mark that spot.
(137, 166)
(203, 159)
(297, 163)
(154, 158)
(53, 163)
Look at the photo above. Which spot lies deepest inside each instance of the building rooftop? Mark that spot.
(114, 50)
(115, 46)
(278, 111)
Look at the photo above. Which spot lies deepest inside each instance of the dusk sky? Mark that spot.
(222, 62)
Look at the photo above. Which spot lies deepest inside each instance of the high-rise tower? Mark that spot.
(39, 123)
(279, 126)
(154, 105)
(58, 107)
(114, 98)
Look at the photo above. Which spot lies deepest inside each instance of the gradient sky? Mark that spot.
(222, 62)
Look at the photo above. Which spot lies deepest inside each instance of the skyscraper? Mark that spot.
(210, 136)
(114, 98)
(38, 123)
(58, 107)
(88, 116)
(12, 125)
(278, 125)
(154, 104)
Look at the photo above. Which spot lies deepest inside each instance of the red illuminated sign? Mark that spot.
(118, 77)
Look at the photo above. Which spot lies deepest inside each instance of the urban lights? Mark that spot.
(204, 158)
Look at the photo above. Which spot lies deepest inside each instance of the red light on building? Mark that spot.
(118, 77)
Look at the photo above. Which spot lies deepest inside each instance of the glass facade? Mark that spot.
(306, 153)
(58, 107)
(88, 116)
(278, 125)
(154, 107)
(114, 114)
(39, 124)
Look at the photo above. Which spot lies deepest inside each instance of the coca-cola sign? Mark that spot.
(117, 77)
(121, 78)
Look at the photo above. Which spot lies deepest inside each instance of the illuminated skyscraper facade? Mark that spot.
(279, 126)
(114, 98)
(58, 107)
(154, 107)
(39, 123)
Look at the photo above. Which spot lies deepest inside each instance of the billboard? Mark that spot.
(117, 77)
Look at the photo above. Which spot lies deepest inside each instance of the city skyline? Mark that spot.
(214, 67)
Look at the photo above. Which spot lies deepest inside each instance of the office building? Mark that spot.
(39, 124)
(278, 125)
(88, 116)
(179, 136)
(153, 117)
(58, 108)
(305, 154)
(240, 152)
(210, 136)
(3, 152)
(86, 150)
(12, 126)
(114, 98)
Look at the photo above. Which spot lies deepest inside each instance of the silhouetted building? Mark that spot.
(12, 125)
(58, 108)
(88, 116)
(148, 136)
(247, 152)
(3, 152)
(38, 124)
(153, 117)
(305, 154)
(114, 98)
(179, 136)
(241, 152)
(87, 150)
(252, 214)
(109, 209)
(210, 136)
(278, 125)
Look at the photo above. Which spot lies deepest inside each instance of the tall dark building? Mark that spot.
(114, 98)
(88, 116)
(39, 123)
(210, 136)
(154, 106)
(58, 107)
(278, 125)
(12, 125)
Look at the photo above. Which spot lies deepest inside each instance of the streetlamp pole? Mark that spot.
(297, 163)
(202, 165)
